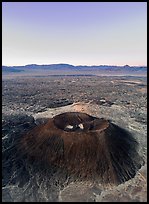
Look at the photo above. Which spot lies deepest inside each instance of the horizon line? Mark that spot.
(78, 64)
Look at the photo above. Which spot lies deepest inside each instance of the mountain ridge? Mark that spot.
(69, 65)
(71, 68)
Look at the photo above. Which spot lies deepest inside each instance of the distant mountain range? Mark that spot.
(69, 67)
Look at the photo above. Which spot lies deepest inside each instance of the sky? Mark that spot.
(77, 33)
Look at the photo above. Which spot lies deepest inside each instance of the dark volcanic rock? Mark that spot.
(23, 180)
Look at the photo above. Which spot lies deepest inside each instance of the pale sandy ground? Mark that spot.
(45, 73)
(134, 190)
(75, 107)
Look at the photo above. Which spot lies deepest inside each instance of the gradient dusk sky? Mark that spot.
(77, 33)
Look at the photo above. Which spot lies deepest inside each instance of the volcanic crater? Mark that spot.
(85, 147)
